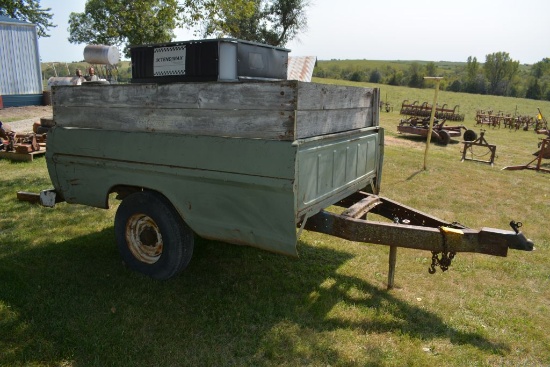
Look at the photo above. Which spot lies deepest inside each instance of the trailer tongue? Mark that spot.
(410, 228)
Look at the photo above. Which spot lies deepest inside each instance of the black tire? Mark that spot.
(470, 135)
(151, 236)
(444, 137)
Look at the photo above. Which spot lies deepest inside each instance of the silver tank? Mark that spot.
(101, 54)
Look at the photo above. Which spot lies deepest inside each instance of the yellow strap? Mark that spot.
(452, 231)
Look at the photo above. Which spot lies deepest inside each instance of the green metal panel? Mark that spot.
(242, 191)
(236, 190)
(334, 167)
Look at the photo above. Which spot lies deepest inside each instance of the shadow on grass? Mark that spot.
(413, 175)
(422, 139)
(75, 303)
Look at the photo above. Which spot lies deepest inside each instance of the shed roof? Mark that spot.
(5, 19)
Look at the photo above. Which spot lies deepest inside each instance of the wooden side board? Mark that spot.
(286, 110)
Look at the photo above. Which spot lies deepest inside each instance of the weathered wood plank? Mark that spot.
(312, 96)
(257, 96)
(313, 123)
(267, 110)
(30, 197)
(271, 125)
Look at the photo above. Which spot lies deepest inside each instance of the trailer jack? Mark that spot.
(410, 228)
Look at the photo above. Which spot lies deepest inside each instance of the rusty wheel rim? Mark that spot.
(143, 238)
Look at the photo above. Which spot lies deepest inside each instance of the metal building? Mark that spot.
(20, 73)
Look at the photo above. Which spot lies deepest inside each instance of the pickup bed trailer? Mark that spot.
(250, 163)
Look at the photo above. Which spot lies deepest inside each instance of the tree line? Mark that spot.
(499, 75)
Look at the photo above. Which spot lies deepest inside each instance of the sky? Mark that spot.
(423, 30)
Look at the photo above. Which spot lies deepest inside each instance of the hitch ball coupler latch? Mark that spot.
(516, 226)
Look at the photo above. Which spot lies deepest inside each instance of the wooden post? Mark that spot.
(430, 128)
(391, 272)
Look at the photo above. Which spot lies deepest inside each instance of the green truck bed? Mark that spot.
(242, 163)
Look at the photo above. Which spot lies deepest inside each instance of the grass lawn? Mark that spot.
(67, 300)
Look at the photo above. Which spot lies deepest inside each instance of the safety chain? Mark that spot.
(446, 257)
(443, 263)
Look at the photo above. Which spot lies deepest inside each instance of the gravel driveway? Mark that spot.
(23, 126)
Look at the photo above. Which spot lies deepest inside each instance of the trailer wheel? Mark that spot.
(151, 236)
(444, 137)
(470, 135)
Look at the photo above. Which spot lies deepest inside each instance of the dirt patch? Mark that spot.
(405, 141)
(10, 114)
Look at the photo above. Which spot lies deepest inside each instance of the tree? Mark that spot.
(395, 77)
(500, 69)
(356, 76)
(534, 91)
(28, 11)
(375, 76)
(472, 68)
(455, 86)
(475, 81)
(416, 79)
(124, 23)
(541, 68)
(431, 69)
(273, 22)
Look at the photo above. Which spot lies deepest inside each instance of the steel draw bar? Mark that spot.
(410, 228)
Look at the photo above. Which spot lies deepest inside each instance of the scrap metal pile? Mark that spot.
(16, 145)
(23, 144)
(425, 110)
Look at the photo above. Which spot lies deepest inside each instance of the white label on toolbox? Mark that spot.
(169, 61)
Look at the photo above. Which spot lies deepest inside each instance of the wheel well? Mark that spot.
(123, 191)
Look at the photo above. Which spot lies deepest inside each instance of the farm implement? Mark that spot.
(424, 110)
(543, 153)
(440, 132)
(482, 143)
(541, 127)
(507, 120)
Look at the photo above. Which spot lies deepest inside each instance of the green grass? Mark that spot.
(67, 300)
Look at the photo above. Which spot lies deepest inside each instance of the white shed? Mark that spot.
(20, 73)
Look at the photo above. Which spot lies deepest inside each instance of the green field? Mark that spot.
(67, 300)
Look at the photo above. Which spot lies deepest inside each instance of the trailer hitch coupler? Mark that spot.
(521, 243)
